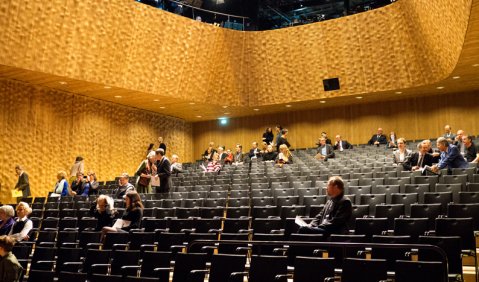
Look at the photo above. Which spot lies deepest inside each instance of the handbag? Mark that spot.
(144, 181)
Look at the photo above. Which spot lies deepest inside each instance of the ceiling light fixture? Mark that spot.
(117, 96)
(227, 113)
(456, 77)
(322, 102)
(199, 116)
(255, 109)
(440, 87)
(398, 92)
(62, 82)
(359, 97)
(475, 65)
(156, 100)
(192, 103)
(162, 107)
(107, 87)
(224, 107)
(288, 106)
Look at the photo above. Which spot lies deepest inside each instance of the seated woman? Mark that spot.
(229, 157)
(6, 219)
(131, 218)
(22, 225)
(10, 268)
(91, 178)
(270, 155)
(401, 154)
(284, 156)
(61, 187)
(104, 211)
(214, 165)
(392, 140)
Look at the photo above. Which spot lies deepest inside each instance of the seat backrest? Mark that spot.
(413, 227)
(464, 211)
(184, 263)
(424, 271)
(371, 226)
(451, 245)
(462, 227)
(265, 268)
(305, 268)
(363, 270)
(222, 265)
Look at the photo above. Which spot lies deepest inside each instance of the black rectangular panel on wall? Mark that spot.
(331, 84)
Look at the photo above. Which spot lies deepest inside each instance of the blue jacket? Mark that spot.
(452, 158)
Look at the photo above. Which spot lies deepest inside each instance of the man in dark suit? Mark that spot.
(23, 183)
(341, 144)
(163, 169)
(419, 159)
(378, 138)
(335, 214)
(254, 153)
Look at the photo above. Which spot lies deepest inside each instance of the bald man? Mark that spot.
(378, 138)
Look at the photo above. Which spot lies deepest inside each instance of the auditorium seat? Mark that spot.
(442, 198)
(420, 271)
(469, 197)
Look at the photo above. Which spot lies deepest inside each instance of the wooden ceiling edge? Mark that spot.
(92, 98)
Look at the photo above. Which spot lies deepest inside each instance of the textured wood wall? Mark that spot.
(401, 45)
(44, 130)
(414, 118)
(133, 46)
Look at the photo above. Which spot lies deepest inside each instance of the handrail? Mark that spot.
(204, 10)
(341, 245)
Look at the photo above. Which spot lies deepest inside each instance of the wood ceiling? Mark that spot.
(464, 78)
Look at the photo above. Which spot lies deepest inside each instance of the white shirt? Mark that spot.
(28, 226)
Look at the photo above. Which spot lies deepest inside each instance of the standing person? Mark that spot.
(6, 219)
(144, 173)
(23, 183)
(282, 140)
(208, 155)
(124, 186)
(22, 225)
(78, 166)
(104, 211)
(335, 214)
(268, 136)
(164, 171)
(278, 129)
(10, 268)
(162, 145)
(131, 218)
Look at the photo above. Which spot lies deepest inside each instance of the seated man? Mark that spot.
(450, 156)
(80, 186)
(325, 151)
(471, 151)
(448, 133)
(270, 155)
(254, 153)
(176, 166)
(341, 144)
(335, 214)
(124, 186)
(238, 156)
(378, 138)
(419, 159)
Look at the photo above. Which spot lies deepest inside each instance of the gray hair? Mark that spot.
(8, 210)
(443, 141)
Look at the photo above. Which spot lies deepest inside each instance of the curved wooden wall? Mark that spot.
(413, 119)
(44, 130)
(134, 46)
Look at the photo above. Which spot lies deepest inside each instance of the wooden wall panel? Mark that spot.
(44, 130)
(413, 119)
(133, 46)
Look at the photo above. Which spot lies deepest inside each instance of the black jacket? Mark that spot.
(412, 161)
(334, 216)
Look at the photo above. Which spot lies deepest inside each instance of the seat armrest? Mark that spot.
(148, 247)
(235, 275)
(130, 270)
(249, 231)
(119, 246)
(100, 268)
(70, 245)
(321, 252)
(177, 247)
(72, 266)
(283, 276)
(197, 275)
(45, 265)
(47, 244)
(96, 245)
